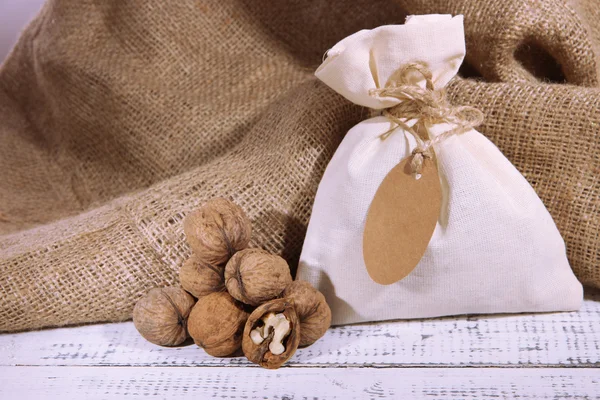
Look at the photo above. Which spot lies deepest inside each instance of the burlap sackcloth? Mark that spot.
(118, 118)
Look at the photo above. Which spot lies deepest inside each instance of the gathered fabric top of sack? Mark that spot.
(495, 248)
(369, 58)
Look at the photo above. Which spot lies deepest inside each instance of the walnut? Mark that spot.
(216, 324)
(200, 278)
(254, 276)
(272, 334)
(312, 309)
(217, 230)
(161, 315)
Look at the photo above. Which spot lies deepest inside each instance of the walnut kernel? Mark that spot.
(272, 334)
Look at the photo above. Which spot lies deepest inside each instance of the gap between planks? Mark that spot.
(249, 383)
(327, 366)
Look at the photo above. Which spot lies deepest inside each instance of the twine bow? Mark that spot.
(428, 106)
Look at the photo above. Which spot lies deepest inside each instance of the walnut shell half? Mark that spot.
(254, 276)
(217, 230)
(161, 315)
(216, 324)
(313, 311)
(261, 351)
(200, 278)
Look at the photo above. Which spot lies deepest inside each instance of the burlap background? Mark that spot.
(117, 118)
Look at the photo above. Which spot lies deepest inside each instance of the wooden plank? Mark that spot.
(561, 339)
(66, 383)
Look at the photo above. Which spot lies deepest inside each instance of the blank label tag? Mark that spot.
(401, 221)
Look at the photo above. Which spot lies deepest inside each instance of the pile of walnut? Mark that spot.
(246, 296)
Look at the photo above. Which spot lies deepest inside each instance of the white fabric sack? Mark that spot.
(495, 248)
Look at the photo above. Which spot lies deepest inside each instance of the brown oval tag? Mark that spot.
(401, 221)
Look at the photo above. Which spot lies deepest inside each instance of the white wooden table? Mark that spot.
(546, 356)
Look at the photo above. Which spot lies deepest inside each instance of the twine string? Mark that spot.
(428, 106)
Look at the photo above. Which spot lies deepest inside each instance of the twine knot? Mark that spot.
(418, 158)
(428, 106)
